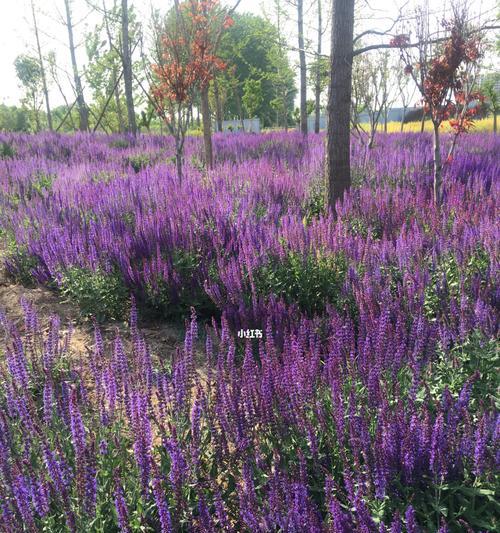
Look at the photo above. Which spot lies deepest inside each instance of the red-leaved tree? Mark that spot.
(444, 69)
(188, 63)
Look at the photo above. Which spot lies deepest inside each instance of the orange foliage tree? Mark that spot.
(445, 70)
(189, 62)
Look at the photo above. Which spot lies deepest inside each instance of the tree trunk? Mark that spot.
(403, 120)
(240, 110)
(318, 72)
(438, 167)
(127, 70)
(422, 122)
(119, 113)
(303, 72)
(385, 119)
(338, 163)
(495, 121)
(218, 106)
(114, 74)
(207, 127)
(42, 68)
(83, 110)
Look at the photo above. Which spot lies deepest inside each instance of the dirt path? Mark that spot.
(162, 338)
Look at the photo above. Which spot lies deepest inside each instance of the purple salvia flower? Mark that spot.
(396, 524)
(77, 427)
(162, 505)
(21, 489)
(40, 496)
(411, 520)
(481, 439)
(121, 507)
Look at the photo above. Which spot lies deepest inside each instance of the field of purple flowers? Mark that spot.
(369, 404)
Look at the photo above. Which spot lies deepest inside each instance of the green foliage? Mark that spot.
(139, 161)
(323, 65)
(13, 118)
(447, 278)
(189, 290)
(314, 206)
(24, 264)
(119, 143)
(359, 226)
(100, 294)
(260, 210)
(490, 87)
(40, 183)
(253, 50)
(310, 281)
(452, 368)
(102, 177)
(252, 96)
(7, 151)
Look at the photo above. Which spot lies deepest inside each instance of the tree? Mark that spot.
(30, 75)
(127, 68)
(444, 72)
(197, 27)
(281, 75)
(338, 163)
(338, 174)
(42, 68)
(104, 73)
(317, 87)
(13, 118)
(83, 110)
(252, 96)
(303, 67)
(490, 88)
(406, 90)
(299, 4)
(374, 93)
(62, 112)
(188, 63)
(253, 48)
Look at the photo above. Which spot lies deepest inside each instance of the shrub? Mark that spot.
(102, 295)
(139, 161)
(119, 143)
(314, 205)
(174, 297)
(447, 277)
(7, 151)
(21, 265)
(310, 281)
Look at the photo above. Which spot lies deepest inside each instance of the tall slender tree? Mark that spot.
(317, 86)
(83, 110)
(338, 162)
(114, 70)
(127, 69)
(302, 67)
(42, 67)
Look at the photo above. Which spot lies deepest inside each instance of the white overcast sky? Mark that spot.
(16, 33)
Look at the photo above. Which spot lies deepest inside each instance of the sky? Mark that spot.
(17, 36)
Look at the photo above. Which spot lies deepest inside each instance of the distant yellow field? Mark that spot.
(484, 124)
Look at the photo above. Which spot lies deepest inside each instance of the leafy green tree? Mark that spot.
(252, 96)
(250, 47)
(30, 75)
(104, 74)
(490, 88)
(13, 118)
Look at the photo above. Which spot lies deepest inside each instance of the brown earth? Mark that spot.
(162, 337)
